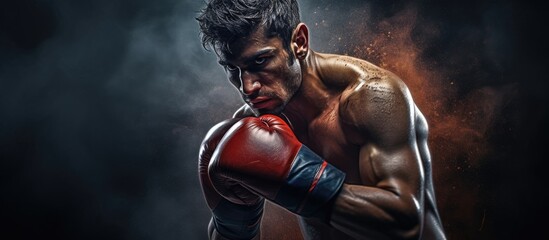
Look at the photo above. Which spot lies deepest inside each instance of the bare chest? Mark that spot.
(325, 136)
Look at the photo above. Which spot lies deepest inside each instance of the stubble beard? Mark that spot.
(291, 86)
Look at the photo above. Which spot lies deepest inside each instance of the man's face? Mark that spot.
(259, 67)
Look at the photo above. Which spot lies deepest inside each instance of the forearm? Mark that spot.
(377, 213)
(214, 235)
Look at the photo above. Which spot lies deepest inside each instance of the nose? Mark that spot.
(249, 83)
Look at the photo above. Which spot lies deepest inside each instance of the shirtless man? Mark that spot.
(333, 139)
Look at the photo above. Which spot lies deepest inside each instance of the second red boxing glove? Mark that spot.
(238, 217)
(265, 156)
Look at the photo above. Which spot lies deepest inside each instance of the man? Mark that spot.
(333, 139)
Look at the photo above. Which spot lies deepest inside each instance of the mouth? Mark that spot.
(260, 102)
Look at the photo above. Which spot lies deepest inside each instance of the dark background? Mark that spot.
(103, 105)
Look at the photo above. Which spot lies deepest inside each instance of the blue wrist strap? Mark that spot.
(311, 184)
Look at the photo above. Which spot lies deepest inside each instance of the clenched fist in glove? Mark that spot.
(263, 155)
(239, 217)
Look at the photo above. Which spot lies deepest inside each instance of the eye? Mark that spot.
(260, 60)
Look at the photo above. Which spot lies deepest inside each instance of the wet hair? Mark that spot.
(224, 21)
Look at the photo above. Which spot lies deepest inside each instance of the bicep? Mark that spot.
(397, 170)
(382, 111)
(382, 115)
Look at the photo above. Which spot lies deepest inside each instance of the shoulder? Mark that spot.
(342, 70)
(380, 107)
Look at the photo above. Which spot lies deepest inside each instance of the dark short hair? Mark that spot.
(223, 21)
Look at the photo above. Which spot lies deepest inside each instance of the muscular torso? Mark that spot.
(325, 136)
(328, 135)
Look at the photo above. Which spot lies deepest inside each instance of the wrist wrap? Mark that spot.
(311, 183)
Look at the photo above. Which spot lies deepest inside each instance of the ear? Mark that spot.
(300, 41)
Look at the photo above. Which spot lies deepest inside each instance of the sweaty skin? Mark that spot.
(360, 118)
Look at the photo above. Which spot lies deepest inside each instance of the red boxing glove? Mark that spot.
(237, 219)
(265, 156)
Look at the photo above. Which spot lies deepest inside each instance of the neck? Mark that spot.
(312, 96)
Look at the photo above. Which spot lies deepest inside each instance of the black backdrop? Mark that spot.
(104, 103)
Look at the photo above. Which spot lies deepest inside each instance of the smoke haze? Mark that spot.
(104, 103)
